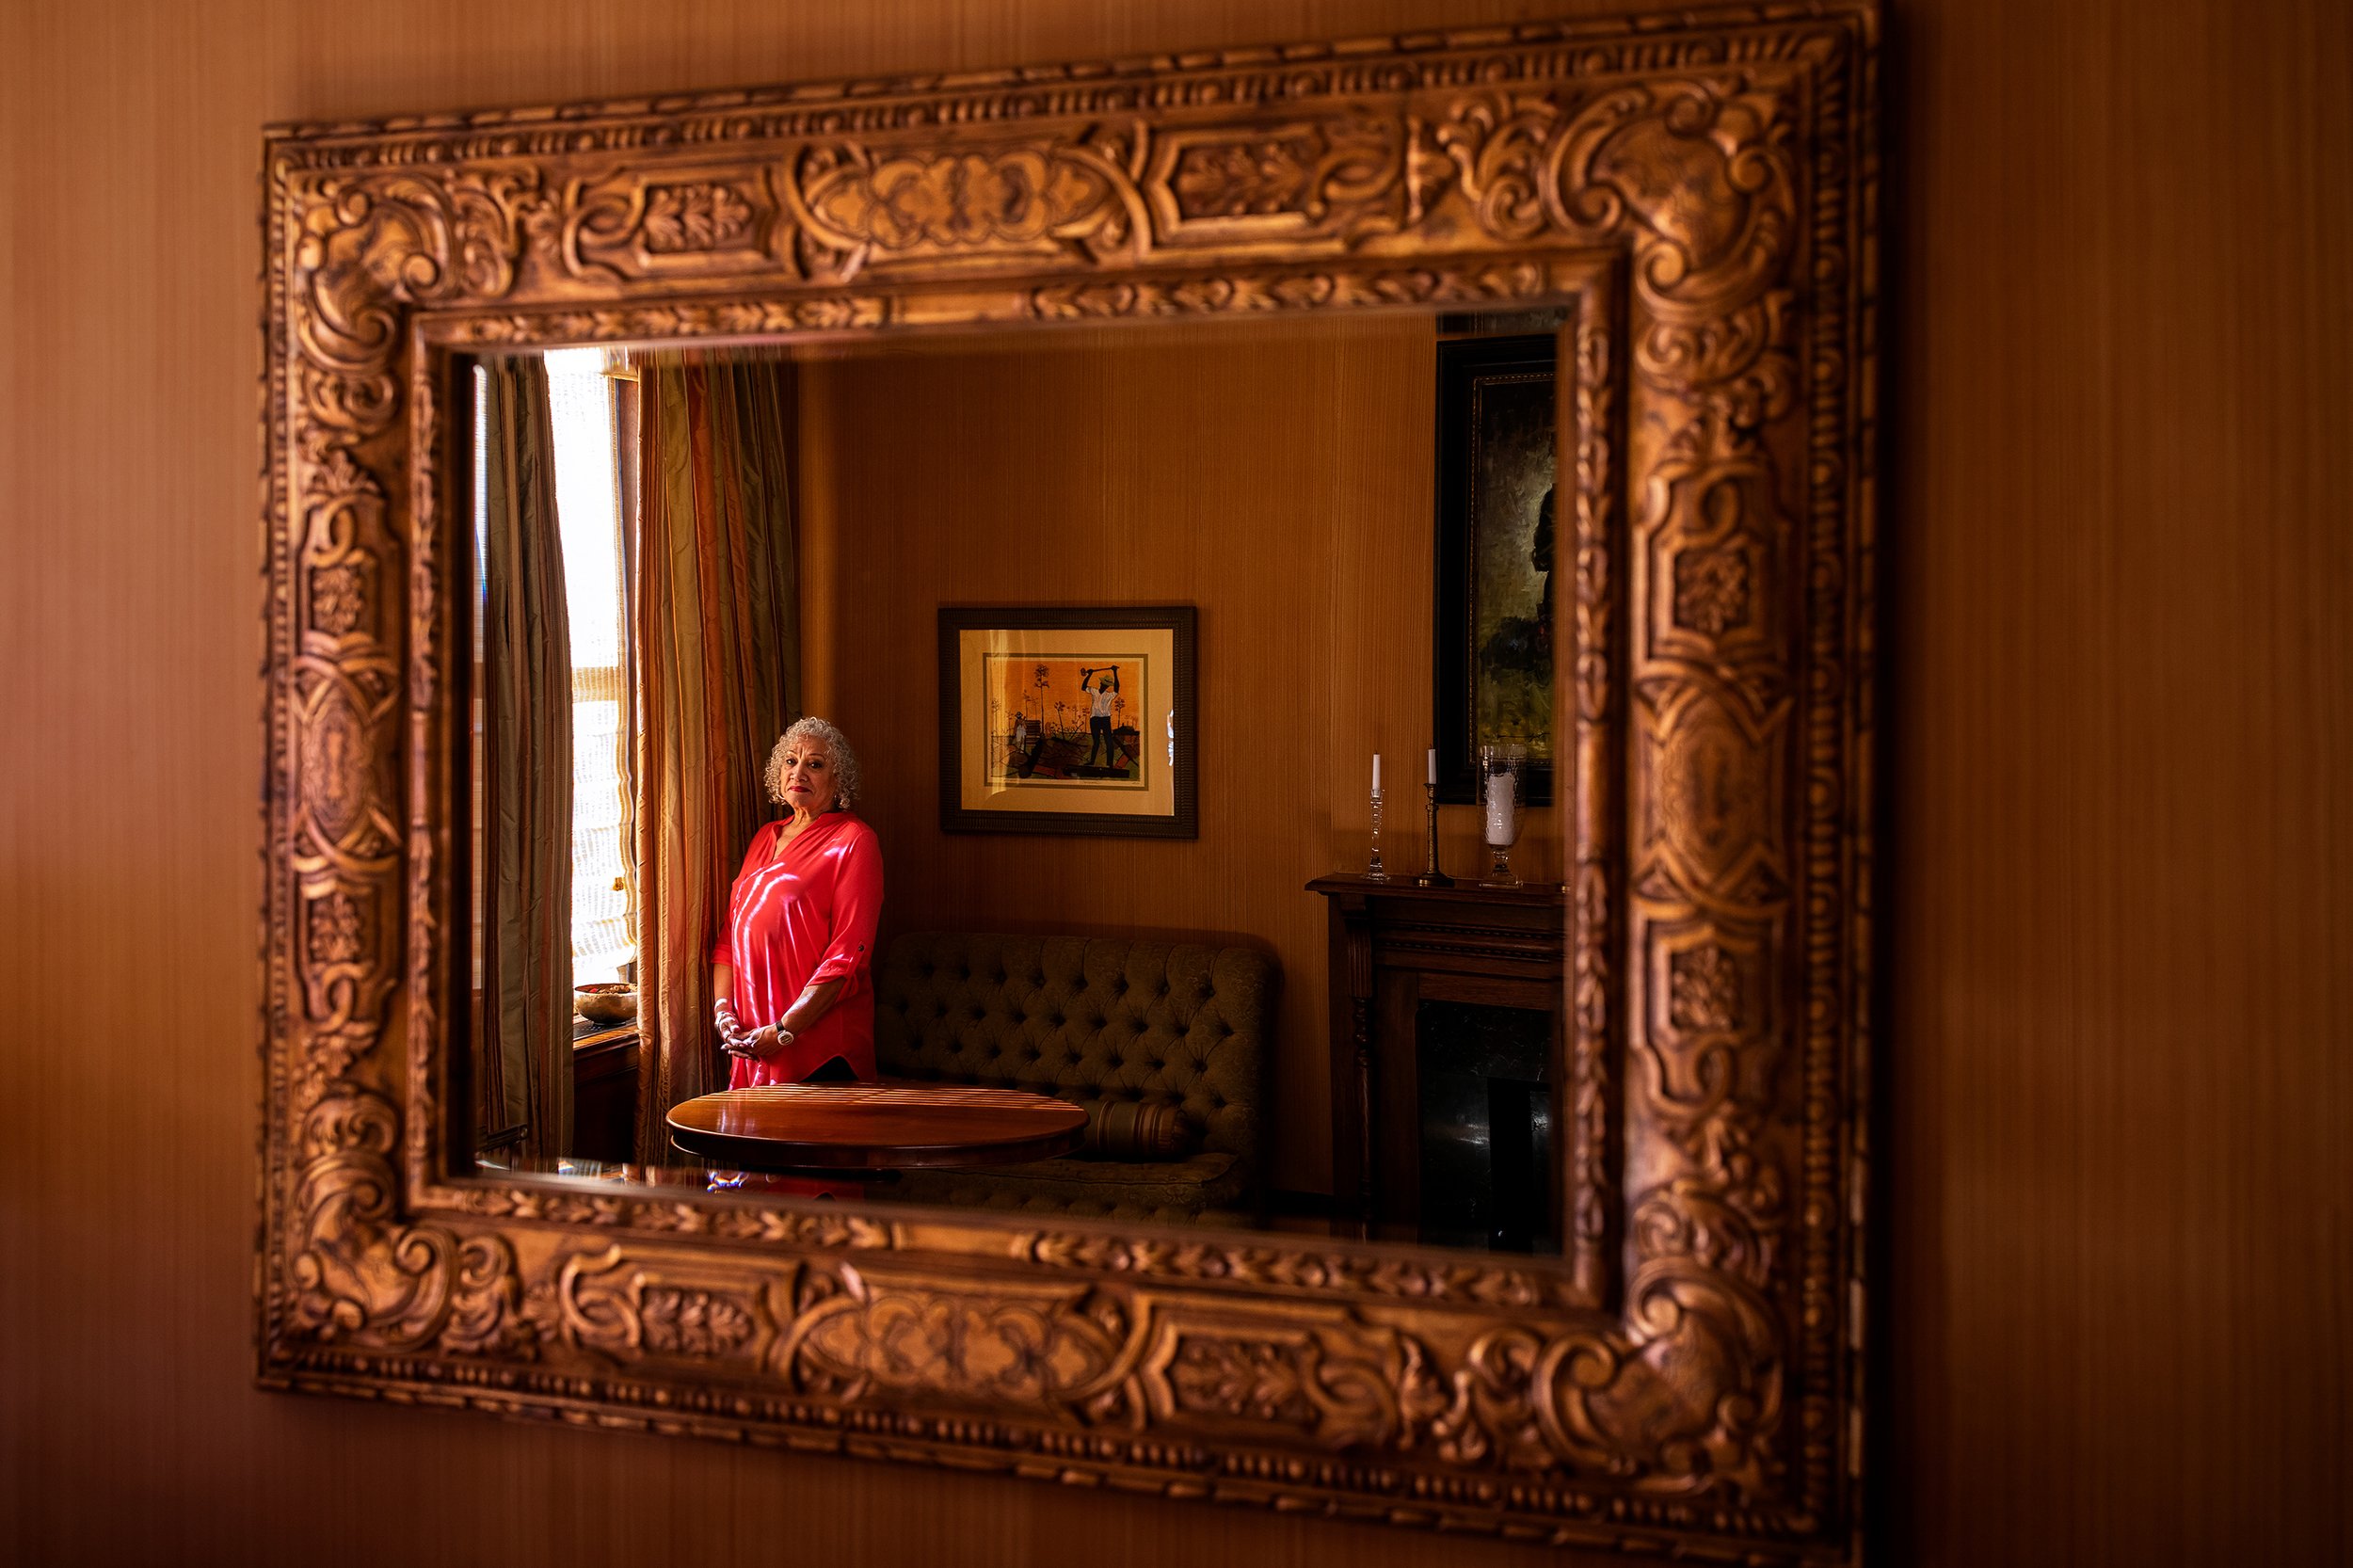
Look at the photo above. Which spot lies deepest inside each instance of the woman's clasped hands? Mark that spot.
(752, 1044)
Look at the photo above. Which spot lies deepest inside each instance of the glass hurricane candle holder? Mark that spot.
(1502, 794)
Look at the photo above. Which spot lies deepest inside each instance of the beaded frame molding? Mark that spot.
(1701, 189)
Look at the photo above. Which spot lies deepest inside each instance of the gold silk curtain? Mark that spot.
(524, 1061)
(718, 678)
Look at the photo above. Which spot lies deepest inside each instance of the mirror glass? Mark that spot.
(959, 756)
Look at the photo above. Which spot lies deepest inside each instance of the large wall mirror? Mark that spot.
(948, 548)
(1149, 773)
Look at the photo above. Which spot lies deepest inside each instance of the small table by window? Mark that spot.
(604, 1090)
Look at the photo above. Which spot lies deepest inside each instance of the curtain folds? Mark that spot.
(717, 679)
(526, 1072)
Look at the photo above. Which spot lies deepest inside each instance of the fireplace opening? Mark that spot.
(1486, 1126)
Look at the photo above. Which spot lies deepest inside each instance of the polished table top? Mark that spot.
(895, 1126)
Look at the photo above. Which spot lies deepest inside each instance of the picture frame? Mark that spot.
(1068, 720)
(1701, 189)
(1495, 526)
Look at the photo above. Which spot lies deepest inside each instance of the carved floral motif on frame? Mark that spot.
(1701, 189)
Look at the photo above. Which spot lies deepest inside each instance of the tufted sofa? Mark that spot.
(1169, 1035)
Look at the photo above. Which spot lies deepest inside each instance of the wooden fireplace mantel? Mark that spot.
(1394, 945)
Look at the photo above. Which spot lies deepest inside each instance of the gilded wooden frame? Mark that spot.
(1700, 187)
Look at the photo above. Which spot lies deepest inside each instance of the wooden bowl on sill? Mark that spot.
(608, 1003)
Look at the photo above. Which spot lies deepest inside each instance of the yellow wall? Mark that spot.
(2116, 1074)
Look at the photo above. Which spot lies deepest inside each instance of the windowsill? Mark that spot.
(587, 1036)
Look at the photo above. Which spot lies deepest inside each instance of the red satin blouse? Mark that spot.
(797, 919)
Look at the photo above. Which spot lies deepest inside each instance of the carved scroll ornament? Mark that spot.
(1699, 190)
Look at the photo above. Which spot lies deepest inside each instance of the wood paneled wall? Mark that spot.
(1276, 478)
(2118, 1062)
(2116, 1066)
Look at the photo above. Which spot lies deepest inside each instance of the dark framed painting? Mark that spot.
(1067, 720)
(1498, 440)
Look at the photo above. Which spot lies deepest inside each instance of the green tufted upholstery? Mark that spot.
(1090, 1020)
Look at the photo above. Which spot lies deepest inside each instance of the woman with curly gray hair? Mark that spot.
(791, 971)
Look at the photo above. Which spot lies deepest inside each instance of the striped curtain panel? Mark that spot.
(718, 678)
(523, 1062)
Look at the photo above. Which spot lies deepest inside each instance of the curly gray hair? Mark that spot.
(846, 778)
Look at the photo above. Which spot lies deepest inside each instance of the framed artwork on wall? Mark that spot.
(1067, 720)
(1495, 528)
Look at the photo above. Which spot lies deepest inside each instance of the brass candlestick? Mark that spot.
(1430, 875)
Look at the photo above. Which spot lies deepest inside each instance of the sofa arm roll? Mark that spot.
(1137, 1130)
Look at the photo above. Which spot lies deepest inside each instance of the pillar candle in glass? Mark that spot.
(1502, 794)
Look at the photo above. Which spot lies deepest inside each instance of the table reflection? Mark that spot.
(700, 1176)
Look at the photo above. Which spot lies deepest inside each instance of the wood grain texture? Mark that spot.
(1294, 513)
(862, 1126)
(2114, 1067)
(2116, 1072)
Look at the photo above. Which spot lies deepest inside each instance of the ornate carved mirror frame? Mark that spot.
(1700, 190)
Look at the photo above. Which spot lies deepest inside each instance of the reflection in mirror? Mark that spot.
(946, 772)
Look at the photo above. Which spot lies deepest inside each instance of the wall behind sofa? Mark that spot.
(2116, 1073)
(1277, 477)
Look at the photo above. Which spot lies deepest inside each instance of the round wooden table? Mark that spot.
(875, 1126)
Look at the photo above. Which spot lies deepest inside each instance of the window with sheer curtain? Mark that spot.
(588, 512)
